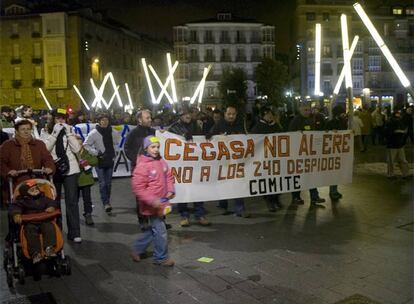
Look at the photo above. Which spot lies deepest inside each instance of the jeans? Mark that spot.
(86, 197)
(199, 210)
(392, 156)
(314, 194)
(70, 183)
(239, 207)
(157, 233)
(105, 183)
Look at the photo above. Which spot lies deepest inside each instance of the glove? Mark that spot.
(56, 129)
(188, 136)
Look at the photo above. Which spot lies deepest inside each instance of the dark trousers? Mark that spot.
(199, 210)
(314, 194)
(32, 232)
(239, 205)
(70, 183)
(105, 183)
(85, 191)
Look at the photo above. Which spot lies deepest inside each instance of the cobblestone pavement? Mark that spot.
(360, 245)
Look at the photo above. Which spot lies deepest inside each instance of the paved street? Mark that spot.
(361, 245)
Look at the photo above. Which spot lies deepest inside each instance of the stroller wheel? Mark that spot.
(22, 275)
(10, 280)
(66, 263)
(58, 268)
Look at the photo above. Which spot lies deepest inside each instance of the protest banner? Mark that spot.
(254, 165)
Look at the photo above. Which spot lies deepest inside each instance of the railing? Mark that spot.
(16, 83)
(37, 60)
(15, 61)
(37, 83)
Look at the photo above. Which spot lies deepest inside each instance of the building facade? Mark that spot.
(370, 69)
(56, 49)
(223, 42)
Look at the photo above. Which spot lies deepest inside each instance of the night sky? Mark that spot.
(157, 17)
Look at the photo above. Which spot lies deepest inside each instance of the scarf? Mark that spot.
(26, 158)
(60, 149)
(109, 154)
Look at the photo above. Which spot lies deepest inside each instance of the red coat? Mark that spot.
(10, 152)
(151, 180)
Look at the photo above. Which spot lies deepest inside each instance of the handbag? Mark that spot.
(62, 163)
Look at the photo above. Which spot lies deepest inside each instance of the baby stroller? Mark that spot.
(17, 260)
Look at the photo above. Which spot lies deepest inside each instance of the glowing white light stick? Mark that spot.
(174, 92)
(345, 47)
(144, 65)
(165, 85)
(116, 92)
(342, 75)
(318, 41)
(45, 99)
(131, 106)
(111, 77)
(98, 94)
(81, 97)
(200, 86)
(381, 44)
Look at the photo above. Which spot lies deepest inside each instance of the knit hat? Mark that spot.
(149, 140)
(30, 183)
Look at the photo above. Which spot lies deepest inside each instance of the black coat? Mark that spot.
(226, 128)
(336, 123)
(301, 123)
(395, 131)
(263, 127)
(187, 130)
(134, 142)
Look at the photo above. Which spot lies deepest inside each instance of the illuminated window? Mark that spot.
(409, 11)
(397, 11)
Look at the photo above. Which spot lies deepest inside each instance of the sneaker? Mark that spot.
(89, 220)
(36, 258)
(185, 222)
(135, 257)
(318, 201)
(298, 201)
(50, 252)
(335, 196)
(77, 239)
(108, 208)
(167, 263)
(203, 221)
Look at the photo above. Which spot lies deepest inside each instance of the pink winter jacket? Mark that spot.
(151, 180)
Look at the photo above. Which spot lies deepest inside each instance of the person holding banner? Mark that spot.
(304, 122)
(153, 184)
(187, 127)
(269, 123)
(102, 142)
(227, 126)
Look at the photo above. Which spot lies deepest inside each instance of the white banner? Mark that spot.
(254, 165)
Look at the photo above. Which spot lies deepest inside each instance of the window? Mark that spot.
(310, 16)
(357, 66)
(225, 37)
(325, 16)
(327, 86)
(339, 68)
(326, 51)
(209, 55)
(56, 75)
(193, 36)
(255, 37)
(224, 16)
(209, 36)
(255, 54)
(267, 34)
(36, 50)
(53, 25)
(36, 27)
(268, 51)
(179, 34)
(311, 84)
(240, 37)
(38, 72)
(240, 55)
(326, 69)
(374, 63)
(180, 53)
(397, 11)
(17, 96)
(210, 91)
(225, 55)
(15, 29)
(16, 51)
(409, 11)
(17, 74)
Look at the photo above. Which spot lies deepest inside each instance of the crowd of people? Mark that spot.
(46, 140)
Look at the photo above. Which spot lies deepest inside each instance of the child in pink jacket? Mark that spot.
(153, 184)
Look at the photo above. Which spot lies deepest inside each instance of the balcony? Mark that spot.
(37, 83)
(193, 59)
(225, 59)
(16, 84)
(225, 40)
(15, 61)
(37, 60)
(241, 58)
(14, 36)
(209, 59)
(36, 35)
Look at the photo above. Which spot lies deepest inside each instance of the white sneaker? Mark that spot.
(77, 239)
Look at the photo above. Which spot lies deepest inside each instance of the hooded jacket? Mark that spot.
(151, 180)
